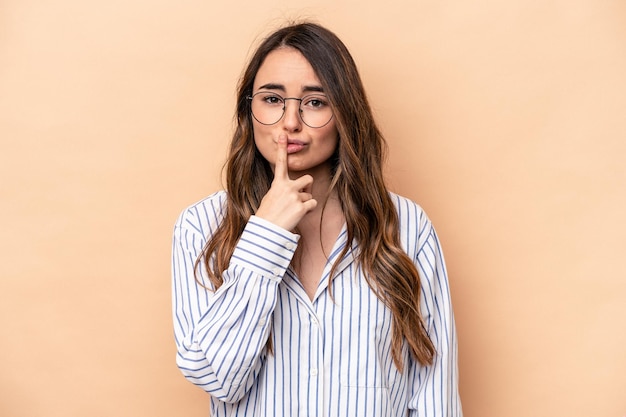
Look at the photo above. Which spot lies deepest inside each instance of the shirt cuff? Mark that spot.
(265, 248)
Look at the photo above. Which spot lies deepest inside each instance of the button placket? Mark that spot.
(316, 367)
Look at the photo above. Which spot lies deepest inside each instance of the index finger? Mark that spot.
(280, 167)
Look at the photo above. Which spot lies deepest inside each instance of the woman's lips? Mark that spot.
(294, 146)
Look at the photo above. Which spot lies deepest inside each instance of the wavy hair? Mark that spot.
(371, 217)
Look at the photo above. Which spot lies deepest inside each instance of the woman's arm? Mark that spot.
(435, 387)
(221, 336)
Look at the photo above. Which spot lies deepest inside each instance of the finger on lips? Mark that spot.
(280, 170)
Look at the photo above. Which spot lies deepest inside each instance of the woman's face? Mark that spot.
(286, 72)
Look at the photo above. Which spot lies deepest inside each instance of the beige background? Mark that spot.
(506, 121)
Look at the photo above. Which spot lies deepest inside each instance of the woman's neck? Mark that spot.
(322, 177)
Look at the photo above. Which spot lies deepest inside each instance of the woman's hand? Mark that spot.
(287, 200)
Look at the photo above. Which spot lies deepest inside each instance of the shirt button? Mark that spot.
(262, 322)
(313, 372)
(314, 322)
(290, 245)
(276, 272)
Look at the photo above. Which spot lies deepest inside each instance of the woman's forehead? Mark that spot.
(286, 69)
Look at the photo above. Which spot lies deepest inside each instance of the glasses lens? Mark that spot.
(268, 108)
(315, 110)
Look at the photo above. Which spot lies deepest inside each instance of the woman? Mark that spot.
(306, 288)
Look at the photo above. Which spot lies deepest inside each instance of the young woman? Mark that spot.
(306, 288)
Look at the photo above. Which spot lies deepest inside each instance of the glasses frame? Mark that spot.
(300, 111)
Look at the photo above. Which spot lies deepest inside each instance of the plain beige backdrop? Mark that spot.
(506, 121)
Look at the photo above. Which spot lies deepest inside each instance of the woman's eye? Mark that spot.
(316, 102)
(273, 100)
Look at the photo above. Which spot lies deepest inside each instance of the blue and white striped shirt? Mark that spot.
(331, 356)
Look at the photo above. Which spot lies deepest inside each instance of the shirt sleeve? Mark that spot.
(221, 335)
(435, 387)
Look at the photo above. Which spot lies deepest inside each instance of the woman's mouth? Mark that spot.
(294, 146)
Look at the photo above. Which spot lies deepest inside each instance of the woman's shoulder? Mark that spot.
(203, 214)
(414, 225)
(407, 208)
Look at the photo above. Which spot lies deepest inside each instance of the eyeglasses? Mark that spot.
(268, 108)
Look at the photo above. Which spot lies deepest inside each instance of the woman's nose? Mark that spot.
(291, 118)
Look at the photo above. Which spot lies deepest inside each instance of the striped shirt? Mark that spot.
(331, 355)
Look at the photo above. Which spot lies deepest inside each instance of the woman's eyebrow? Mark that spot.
(272, 86)
(313, 88)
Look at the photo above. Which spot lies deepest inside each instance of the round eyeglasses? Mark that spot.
(268, 108)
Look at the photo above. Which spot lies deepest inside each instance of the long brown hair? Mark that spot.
(371, 217)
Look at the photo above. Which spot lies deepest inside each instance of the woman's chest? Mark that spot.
(343, 334)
